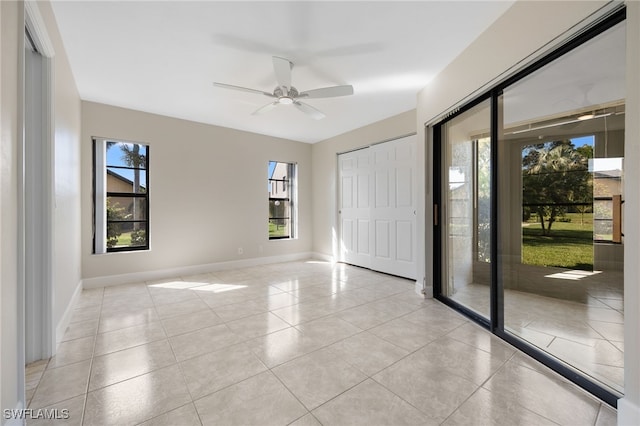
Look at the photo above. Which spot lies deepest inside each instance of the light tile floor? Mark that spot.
(301, 343)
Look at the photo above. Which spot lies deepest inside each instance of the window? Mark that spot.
(607, 199)
(121, 196)
(482, 197)
(282, 200)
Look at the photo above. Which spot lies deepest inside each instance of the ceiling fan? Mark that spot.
(286, 94)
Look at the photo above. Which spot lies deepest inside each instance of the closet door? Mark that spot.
(354, 210)
(377, 207)
(393, 209)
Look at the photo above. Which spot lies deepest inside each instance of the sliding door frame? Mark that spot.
(495, 323)
(438, 256)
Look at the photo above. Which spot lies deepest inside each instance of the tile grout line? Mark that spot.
(178, 363)
(95, 342)
(39, 382)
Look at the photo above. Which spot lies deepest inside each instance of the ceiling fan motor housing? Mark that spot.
(279, 93)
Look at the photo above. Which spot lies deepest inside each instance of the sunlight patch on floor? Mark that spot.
(572, 274)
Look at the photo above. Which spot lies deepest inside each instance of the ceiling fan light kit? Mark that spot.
(286, 94)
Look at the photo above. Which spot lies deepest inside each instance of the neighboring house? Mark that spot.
(278, 184)
(118, 183)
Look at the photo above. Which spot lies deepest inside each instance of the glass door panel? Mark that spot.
(560, 156)
(466, 213)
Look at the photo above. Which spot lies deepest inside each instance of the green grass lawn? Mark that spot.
(124, 240)
(277, 230)
(570, 244)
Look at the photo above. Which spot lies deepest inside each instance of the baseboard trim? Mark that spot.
(62, 325)
(111, 280)
(425, 292)
(323, 257)
(628, 413)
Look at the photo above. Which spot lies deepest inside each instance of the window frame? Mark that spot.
(289, 184)
(101, 195)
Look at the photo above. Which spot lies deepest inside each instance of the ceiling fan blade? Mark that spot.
(309, 110)
(282, 68)
(327, 92)
(243, 89)
(267, 107)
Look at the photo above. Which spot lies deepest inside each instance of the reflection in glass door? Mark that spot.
(467, 209)
(529, 207)
(561, 261)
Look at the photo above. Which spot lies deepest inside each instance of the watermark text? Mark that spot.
(40, 413)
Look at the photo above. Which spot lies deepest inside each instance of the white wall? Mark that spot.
(207, 189)
(324, 156)
(67, 250)
(496, 52)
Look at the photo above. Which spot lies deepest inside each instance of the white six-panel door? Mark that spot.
(355, 207)
(378, 207)
(393, 215)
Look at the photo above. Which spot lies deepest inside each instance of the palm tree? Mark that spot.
(132, 158)
(555, 175)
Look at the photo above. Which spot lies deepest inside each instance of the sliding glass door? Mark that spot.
(562, 148)
(467, 210)
(530, 205)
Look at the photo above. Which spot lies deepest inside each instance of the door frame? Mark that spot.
(38, 335)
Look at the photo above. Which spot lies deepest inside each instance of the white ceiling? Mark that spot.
(162, 56)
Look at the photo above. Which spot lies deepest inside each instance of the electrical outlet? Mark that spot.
(240, 250)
